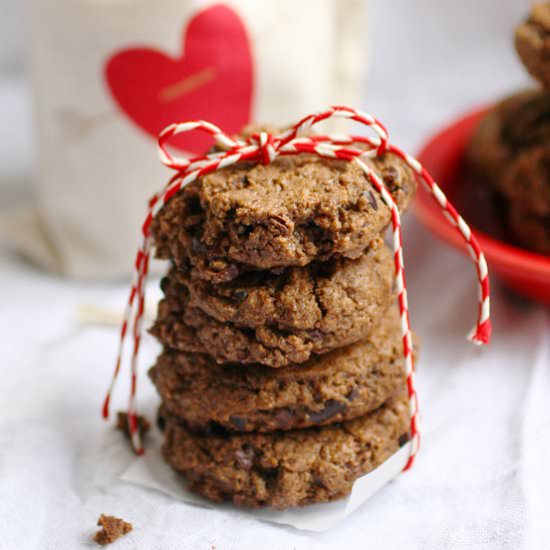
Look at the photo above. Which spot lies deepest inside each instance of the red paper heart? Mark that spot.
(212, 80)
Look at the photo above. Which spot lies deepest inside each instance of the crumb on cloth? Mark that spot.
(122, 424)
(111, 529)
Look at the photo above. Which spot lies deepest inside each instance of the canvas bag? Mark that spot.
(108, 75)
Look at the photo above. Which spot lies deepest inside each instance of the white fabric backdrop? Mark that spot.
(481, 480)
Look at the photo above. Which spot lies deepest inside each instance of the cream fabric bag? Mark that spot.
(108, 75)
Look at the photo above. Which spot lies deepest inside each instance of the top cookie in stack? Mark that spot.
(281, 378)
(289, 213)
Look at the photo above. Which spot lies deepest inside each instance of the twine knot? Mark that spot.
(266, 145)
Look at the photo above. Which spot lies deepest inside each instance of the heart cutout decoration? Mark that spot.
(212, 80)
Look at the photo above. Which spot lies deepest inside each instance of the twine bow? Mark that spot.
(265, 148)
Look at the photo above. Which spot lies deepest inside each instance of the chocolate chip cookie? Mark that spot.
(277, 319)
(517, 124)
(532, 41)
(340, 385)
(527, 181)
(529, 230)
(284, 469)
(289, 213)
(327, 297)
(510, 151)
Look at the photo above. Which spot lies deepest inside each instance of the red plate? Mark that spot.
(526, 272)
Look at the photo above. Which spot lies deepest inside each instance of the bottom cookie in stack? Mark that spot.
(286, 468)
(284, 437)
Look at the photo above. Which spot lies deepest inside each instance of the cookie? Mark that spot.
(487, 156)
(285, 469)
(532, 40)
(510, 152)
(517, 123)
(336, 386)
(525, 119)
(289, 213)
(526, 182)
(328, 297)
(182, 327)
(277, 319)
(529, 230)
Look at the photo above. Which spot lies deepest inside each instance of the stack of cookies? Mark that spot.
(282, 378)
(510, 150)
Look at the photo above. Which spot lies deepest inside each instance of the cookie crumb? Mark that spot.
(111, 529)
(122, 424)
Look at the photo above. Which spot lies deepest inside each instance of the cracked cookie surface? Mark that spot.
(289, 213)
(281, 319)
(326, 296)
(277, 320)
(285, 469)
(339, 385)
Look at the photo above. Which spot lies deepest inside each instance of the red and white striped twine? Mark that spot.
(265, 148)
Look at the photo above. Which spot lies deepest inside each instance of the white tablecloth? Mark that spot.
(481, 480)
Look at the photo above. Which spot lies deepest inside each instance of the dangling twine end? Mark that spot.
(105, 408)
(481, 334)
(139, 451)
(136, 444)
(409, 463)
(133, 428)
(415, 448)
